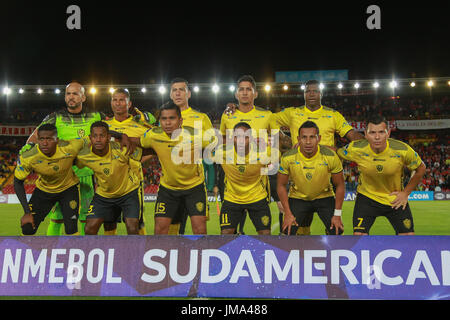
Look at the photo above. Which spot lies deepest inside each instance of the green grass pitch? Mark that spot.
(430, 218)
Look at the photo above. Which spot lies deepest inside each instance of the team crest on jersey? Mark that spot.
(379, 168)
(241, 169)
(309, 176)
(81, 133)
(199, 206)
(56, 168)
(73, 204)
(106, 171)
(265, 220)
(407, 223)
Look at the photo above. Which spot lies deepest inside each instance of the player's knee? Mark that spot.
(90, 229)
(132, 226)
(360, 234)
(28, 230)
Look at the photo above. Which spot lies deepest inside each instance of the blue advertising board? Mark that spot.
(303, 76)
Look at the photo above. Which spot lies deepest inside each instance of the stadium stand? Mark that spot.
(432, 145)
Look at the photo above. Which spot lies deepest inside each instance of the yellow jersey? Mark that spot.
(310, 177)
(131, 128)
(380, 173)
(55, 173)
(257, 118)
(180, 157)
(328, 120)
(191, 117)
(245, 178)
(113, 173)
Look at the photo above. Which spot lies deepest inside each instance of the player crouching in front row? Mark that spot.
(310, 167)
(118, 185)
(52, 160)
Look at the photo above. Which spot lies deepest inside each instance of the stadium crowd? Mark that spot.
(435, 154)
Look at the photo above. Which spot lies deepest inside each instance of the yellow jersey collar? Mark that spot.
(309, 159)
(186, 110)
(382, 152)
(252, 110)
(315, 111)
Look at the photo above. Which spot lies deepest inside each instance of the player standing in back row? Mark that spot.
(328, 120)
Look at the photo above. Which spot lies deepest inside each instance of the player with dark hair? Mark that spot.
(118, 184)
(52, 160)
(180, 95)
(246, 111)
(123, 122)
(310, 167)
(183, 181)
(245, 184)
(380, 192)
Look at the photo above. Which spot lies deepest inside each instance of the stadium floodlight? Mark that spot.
(215, 88)
(267, 87)
(196, 89)
(340, 86)
(93, 90)
(162, 89)
(356, 85)
(448, 82)
(21, 91)
(376, 84)
(231, 88)
(302, 87)
(40, 91)
(57, 91)
(321, 86)
(393, 84)
(6, 91)
(412, 84)
(111, 90)
(430, 83)
(143, 90)
(285, 87)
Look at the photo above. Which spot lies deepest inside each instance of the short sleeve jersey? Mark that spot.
(258, 119)
(310, 177)
(55, 173)
(245, 180)
(113, 173)
(177, 155)
(131, 128)
(328, 120)
(380, 173)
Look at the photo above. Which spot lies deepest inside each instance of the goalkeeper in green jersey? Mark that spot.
(71, 123)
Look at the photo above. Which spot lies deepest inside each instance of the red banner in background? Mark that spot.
(16, 130)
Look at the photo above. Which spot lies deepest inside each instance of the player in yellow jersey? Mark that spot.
(327, 119)
(380, 191)
(123, 122)
(260, 121)
(310, 167)
(180, 95)
(182, 181)
(52, 160)
(118, 184)
(245, 184)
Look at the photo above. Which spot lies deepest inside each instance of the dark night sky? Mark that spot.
(137, 43)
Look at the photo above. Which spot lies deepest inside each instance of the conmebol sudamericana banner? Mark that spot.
(310, 267)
